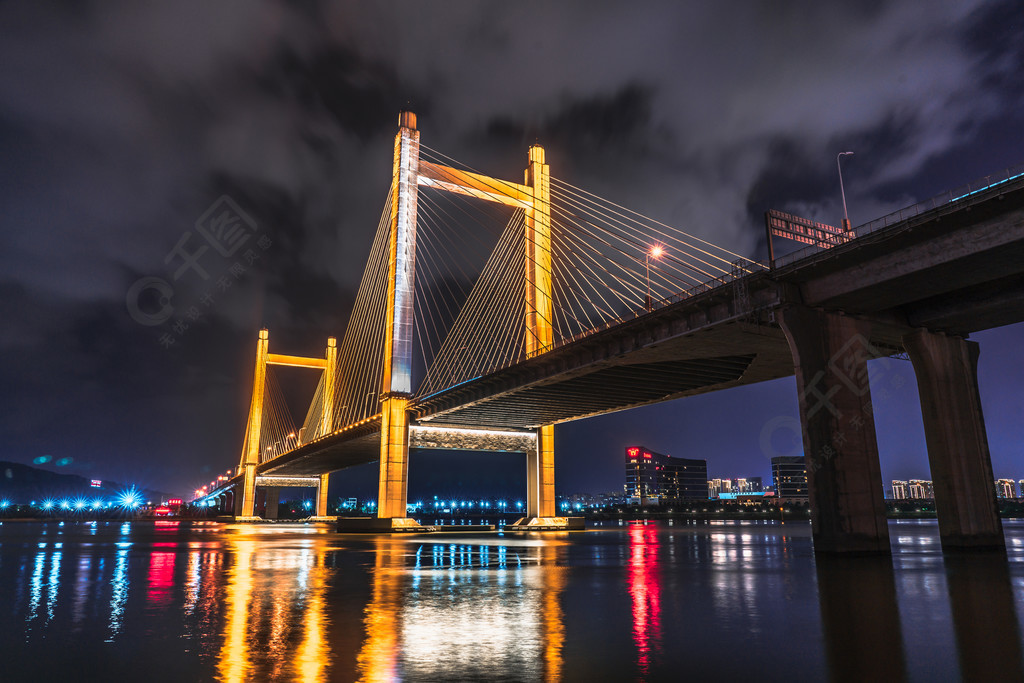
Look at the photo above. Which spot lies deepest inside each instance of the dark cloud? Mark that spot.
(121, 123)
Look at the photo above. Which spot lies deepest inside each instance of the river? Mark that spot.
(196, 601)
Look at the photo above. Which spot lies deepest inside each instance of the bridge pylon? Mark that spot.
(245, 504)
(534, 198)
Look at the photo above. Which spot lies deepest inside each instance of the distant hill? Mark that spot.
(21, 484)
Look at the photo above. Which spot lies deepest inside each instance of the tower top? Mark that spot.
(407, 119)
(536, 154)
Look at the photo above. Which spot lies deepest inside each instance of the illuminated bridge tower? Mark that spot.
(245, 504)
(396, 384)
(534, 198)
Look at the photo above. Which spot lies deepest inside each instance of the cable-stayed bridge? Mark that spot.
(490, 310)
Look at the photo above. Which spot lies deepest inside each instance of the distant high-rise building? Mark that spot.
(1020, 487)
(753, 485)
(732, 487)
(899, 489)
(920, 489)
(789, 475)
(654, 478)
(1005, 488)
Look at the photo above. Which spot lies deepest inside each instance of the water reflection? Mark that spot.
(984, 618)
(487, 609)
(294, 602)
(119, 594)
(275, 619)
(860, 619)
(645, 591)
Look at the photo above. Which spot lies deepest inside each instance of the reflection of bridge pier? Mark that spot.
(426, 600)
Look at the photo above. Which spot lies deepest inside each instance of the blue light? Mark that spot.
(130, 499)
(65, 505)
(47, 504)
(4, 504)
(79, 504)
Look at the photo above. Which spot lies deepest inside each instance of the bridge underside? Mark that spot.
(647, 367)
(617, 377)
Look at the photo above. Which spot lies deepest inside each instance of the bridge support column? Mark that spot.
(246, 503)
(272, 496)
(540, 475)
(321, 497)
(540, 488)
(844, 479)
(394, 458)
(947, 381)
(245, 506)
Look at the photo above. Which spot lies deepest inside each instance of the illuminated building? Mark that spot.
(733, 487)
(920, 489)
(899, 489)
(1005, 488)
(653, 478)
(789, 475)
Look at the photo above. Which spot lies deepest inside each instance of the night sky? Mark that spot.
(121, 123)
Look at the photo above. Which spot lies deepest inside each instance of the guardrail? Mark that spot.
(965, 195)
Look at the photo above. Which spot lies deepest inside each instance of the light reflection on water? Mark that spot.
(206, 601)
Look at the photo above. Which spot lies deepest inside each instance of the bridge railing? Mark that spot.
(965, 195)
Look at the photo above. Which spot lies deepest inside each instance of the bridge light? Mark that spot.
(47, 504)
(655, 252)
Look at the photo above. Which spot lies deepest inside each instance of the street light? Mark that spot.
(655, 252)
(846, 217)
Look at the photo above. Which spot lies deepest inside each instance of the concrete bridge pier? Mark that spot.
(321, 495)
(947, 381)
(540, 475)
(540, 488)
(830, 353)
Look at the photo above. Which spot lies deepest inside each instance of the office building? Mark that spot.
(789, 476)
(899, 489)
(920, 489)
(1005, 488)
(656, 479)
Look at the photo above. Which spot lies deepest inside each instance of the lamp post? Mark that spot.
(846, 217)
(654, 252)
